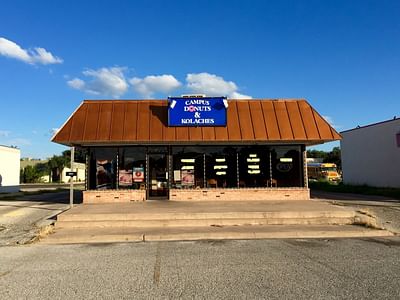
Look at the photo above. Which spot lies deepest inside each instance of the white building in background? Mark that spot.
(371, 154)
(9, 169)
(79, 168)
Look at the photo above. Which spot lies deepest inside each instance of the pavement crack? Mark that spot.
(157, 266)
(5, 273)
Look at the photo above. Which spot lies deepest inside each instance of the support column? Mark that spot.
(71, 183)
(204, 171)
(146, 174)
(270, 169)
(237, 169)
(305, 172)
(170, 170)
(86, 169)
(117, 171)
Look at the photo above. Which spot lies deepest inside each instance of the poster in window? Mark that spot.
(187, 177)
(125, 177)
(138, 174)
(177, 175)
(104, 173)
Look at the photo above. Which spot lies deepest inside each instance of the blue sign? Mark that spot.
(202, 111)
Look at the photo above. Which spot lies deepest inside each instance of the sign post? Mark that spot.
(71, 176)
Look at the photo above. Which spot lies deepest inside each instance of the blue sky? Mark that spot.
(342, 56)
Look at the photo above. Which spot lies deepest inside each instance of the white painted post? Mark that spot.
(71, 183)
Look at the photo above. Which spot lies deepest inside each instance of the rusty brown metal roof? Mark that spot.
(112, 122)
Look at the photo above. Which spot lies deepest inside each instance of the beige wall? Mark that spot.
(9, 169)
(252, 194)
(370, 155)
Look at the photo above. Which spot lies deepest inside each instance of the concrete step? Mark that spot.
(207, 222)
(171, 219)
(130, 234)
(205, 215)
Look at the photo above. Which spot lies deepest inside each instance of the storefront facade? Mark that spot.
(143, 150)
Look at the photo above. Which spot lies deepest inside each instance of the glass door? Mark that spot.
(158, 176)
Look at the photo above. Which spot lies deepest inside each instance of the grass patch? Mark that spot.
(355, 189)
(13, 196)
(39, 192)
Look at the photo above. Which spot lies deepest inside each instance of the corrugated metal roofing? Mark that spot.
(146, 122)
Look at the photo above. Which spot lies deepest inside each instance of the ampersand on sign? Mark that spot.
(197, 115)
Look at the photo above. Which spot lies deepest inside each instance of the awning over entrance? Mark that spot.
(116, 122)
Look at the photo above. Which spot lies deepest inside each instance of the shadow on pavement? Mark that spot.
(317, 194)
(50, 197)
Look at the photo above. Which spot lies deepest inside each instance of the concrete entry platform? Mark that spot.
(170, 220)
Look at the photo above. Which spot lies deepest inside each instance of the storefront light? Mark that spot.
(219, 173)
(218, 167)
(187, 160)
(187, 168)
(253, 171)
(286, 159)
(253, 166)
(220, 159)
(253, 160)
(252, 155)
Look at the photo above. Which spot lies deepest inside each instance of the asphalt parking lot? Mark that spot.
(367, 268)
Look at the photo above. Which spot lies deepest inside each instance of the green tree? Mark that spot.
(80, 155)
(335, 157)
(317, 154)
(31, 174)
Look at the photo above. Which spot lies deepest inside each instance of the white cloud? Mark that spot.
(105, 81)
(11, 49)
(331, 122)
(19, 142)
(236, 95)
(76, 83)
(213, 85)
(53, 131)
(4, 133)
(112, 82)
(36, 55)
(151, 84)
(44, 57)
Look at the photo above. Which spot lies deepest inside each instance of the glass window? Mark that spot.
(132, 163)
(188, 167)
(254, 166)
(287, 167)
(102, 168)
(221, 167)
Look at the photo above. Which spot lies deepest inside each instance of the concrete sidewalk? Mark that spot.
(23, 216)
(243, 232)
(186, 209)
(22, 221)
(173, 220)
(385, 210)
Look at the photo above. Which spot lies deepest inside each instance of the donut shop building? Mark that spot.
(195, 148)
